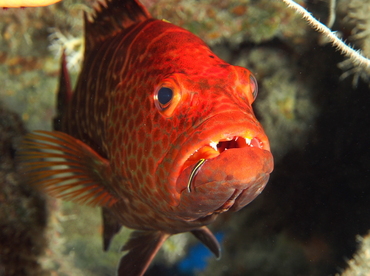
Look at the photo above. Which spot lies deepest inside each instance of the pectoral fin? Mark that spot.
(208, 239)
(142, 248)
(65, 167)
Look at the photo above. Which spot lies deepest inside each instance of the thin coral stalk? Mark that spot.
(354, 55)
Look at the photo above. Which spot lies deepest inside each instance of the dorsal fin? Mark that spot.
(112, 17)
(64, 95)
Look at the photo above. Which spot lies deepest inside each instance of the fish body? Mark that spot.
(26, 3)
(159, 132)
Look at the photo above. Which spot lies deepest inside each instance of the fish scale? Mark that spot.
(160, 168)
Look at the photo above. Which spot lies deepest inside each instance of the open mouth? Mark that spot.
(214, 149)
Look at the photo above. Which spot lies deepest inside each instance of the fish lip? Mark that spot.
(235, 124)
(262, 158)
(217, 191)
(219, 144)
(231, 201)
(251, 139)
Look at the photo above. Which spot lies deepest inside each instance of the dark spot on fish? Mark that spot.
(204, 84)
(211, 56)
(229, 177)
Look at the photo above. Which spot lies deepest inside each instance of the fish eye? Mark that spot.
(167, 95)
(164, 97)
(254, 86)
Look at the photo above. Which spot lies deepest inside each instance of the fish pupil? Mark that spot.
(164, 96)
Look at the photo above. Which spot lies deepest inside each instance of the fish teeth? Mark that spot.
(248, 141)
(213, 145)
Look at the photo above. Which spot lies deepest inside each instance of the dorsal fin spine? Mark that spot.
(111, 17)
(64, 95)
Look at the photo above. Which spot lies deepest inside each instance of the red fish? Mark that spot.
(159, 132)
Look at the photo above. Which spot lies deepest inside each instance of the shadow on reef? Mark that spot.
(324, 190)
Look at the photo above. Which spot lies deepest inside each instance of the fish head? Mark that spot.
(213, 121)
(203, 110)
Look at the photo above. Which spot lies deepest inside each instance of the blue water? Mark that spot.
(197, 258)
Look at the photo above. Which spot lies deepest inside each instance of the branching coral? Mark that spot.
(358, 15)
(73, 47)
(360, 264)
(355, 56)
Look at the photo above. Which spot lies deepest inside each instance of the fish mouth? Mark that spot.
(241, 142)
(218, 146)
(223, 163)
(225, 173)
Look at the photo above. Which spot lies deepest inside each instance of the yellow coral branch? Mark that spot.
(354, 55)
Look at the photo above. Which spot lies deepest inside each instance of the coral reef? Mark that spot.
(235, 21)
(28, 70)
(75, 242)
(358, 16)
(353, 16)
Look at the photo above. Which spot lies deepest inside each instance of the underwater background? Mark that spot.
(313, 217)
